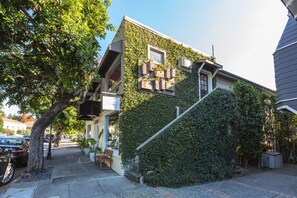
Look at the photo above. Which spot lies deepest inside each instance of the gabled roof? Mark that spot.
(12, 121)
(233, 77)
(289, 35)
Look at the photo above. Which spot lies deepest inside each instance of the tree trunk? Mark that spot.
(36, 159)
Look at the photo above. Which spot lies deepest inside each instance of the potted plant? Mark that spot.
(83, 144)
(91, 151)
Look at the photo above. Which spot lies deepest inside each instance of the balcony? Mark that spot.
(88, 110)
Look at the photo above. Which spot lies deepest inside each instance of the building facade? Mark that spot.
(147, 80)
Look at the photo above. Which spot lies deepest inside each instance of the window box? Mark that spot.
(172, 72)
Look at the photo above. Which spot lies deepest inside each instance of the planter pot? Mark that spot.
(172, 72)
(92, 156)
(167, 73)
(150, 65)
(169, 86)
(159, 74)
(144, 69)
(86, 150)
(162, 85)
(145, 84)
(156, 85)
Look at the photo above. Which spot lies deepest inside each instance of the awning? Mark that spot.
(209, 65)
(114, 49)
(88, 110)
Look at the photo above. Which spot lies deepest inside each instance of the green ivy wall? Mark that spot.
(144, 114)
(200, 147)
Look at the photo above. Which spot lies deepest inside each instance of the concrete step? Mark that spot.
(133, 175)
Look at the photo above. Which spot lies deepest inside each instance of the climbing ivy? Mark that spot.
(144, 114)
(199, 147)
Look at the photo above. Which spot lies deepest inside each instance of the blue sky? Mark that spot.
(245, 33)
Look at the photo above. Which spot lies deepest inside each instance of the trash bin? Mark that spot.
(275, 159)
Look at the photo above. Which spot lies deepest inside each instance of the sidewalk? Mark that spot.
(73, 176)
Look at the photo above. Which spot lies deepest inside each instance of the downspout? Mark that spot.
(199, 70)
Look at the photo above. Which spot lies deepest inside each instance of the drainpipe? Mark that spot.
(199, 92)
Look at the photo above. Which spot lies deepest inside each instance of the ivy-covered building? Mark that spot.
(147, 80)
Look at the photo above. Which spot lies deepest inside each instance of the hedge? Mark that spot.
(199, 147)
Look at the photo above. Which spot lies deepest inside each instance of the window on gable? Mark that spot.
(157, 55)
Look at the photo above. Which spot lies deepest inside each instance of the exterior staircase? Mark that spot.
(134, 173)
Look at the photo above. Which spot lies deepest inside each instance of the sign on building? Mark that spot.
(111, 103)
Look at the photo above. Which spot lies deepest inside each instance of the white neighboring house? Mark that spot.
(13, 125)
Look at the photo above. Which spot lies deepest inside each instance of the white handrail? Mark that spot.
(172, 122)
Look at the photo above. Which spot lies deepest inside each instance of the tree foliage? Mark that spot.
(1, 118)
(251, 119)
(67, 123)
(47, 57)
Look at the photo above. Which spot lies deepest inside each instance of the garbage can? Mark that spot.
(275, 159)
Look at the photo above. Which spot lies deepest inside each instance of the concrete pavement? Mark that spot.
(74, 175)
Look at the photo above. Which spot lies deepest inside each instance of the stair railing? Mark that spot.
(172, 122)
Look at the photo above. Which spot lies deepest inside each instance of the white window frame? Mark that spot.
(158, 50)
(209, 80)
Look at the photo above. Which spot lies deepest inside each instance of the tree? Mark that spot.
(1, 118)
(14, 117)
(251, 118)
(67, 123)
(47, 56)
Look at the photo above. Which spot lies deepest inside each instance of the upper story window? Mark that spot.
(114, 78)
(157, 55)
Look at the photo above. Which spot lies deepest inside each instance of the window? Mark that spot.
(203, 84)
(114, 78)
(157, 55)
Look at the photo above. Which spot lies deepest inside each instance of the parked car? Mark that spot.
(46, 138)
(7, 169)
(26, 136)
(18, 147)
